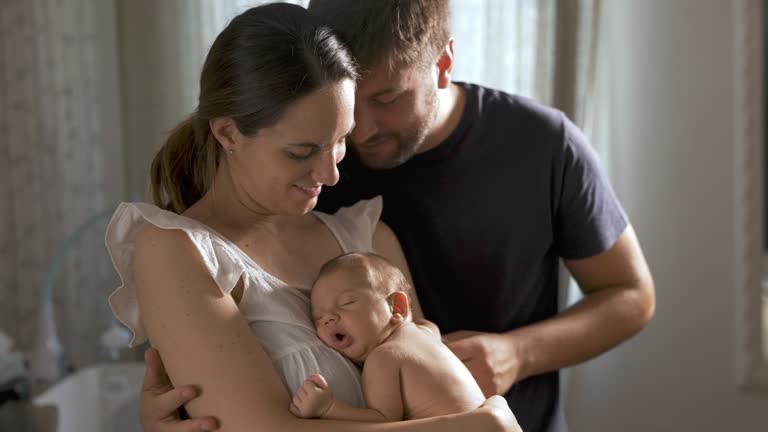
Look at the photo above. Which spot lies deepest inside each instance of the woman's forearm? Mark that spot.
(474, 420)
(340, 410)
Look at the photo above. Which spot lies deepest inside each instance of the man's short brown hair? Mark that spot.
(392, 32)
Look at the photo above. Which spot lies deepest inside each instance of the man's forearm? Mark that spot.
(597, 323)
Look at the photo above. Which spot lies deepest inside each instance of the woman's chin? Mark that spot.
(300, 207)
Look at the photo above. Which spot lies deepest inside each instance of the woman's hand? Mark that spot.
(159, 401)
(504, 420)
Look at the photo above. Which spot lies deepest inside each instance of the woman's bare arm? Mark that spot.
(205, 341)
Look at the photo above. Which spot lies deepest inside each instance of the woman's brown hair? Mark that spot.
(263, 61)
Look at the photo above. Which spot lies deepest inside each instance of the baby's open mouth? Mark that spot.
(341, 340)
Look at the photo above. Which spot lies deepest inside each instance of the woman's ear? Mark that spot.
(398, 301)
(226, 133)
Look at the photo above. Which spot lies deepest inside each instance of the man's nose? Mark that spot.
(365, 126)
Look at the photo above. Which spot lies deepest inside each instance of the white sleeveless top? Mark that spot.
(278, 314)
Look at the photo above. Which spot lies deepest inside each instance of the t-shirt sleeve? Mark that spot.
(588, 217)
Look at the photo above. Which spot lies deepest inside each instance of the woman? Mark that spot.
(233, 246)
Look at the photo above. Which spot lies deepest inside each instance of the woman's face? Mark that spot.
(282, 169)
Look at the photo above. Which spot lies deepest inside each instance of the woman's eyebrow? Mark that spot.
(306, 144)
(320, 146)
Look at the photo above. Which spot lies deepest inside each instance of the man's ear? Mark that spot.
(445, 66)
(398, 301)
(226, 133)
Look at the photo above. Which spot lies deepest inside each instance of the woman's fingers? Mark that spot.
(500, 409)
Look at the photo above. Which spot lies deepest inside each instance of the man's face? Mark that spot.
(394, 113)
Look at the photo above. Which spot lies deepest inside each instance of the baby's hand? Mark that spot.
(312, 399)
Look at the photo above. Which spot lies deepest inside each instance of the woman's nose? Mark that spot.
(325, 171)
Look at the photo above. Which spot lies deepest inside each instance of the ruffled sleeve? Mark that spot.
(354, 226)
(225, 266)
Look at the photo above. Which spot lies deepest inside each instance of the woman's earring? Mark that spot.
(230, 151)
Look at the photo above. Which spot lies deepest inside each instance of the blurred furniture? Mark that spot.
(98, 398)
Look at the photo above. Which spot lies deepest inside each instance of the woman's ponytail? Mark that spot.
(183, 169)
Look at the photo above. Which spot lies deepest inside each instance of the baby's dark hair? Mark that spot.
(381, 274)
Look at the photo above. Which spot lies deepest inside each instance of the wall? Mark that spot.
(673, 167)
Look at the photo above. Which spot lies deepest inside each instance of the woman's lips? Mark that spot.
(310, 191)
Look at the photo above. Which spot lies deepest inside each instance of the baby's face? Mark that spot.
(350, 316)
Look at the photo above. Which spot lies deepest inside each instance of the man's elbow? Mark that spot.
(643, 303)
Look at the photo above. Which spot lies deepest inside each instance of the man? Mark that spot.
(486, 192)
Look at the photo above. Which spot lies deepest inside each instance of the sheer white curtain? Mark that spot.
(505, 44)
(60, 159)
(542, 49)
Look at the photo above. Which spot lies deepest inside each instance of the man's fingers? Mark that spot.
(165, 404)
(196, 425)
(154, 371)
(457, 335)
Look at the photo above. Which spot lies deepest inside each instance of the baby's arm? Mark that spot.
(314, 399)
(381, 385)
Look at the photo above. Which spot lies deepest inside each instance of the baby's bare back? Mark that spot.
(433, 380)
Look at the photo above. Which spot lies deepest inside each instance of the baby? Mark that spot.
(360, 309)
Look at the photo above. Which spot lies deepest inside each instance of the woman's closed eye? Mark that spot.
(302, 152)
(307, 151)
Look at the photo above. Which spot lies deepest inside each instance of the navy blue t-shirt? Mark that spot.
(484, 217)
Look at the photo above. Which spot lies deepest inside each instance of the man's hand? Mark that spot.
(159, 401)
(491, 358)
(313, 399)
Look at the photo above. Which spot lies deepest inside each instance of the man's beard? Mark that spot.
(407, 143)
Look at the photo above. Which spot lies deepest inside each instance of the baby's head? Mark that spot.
(358, 300)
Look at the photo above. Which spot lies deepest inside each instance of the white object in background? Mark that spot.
(11, 363)
(99, 398)
(47, 362)
(114, 340)
(5, 344)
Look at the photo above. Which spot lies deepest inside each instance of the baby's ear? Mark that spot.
(398, 300)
